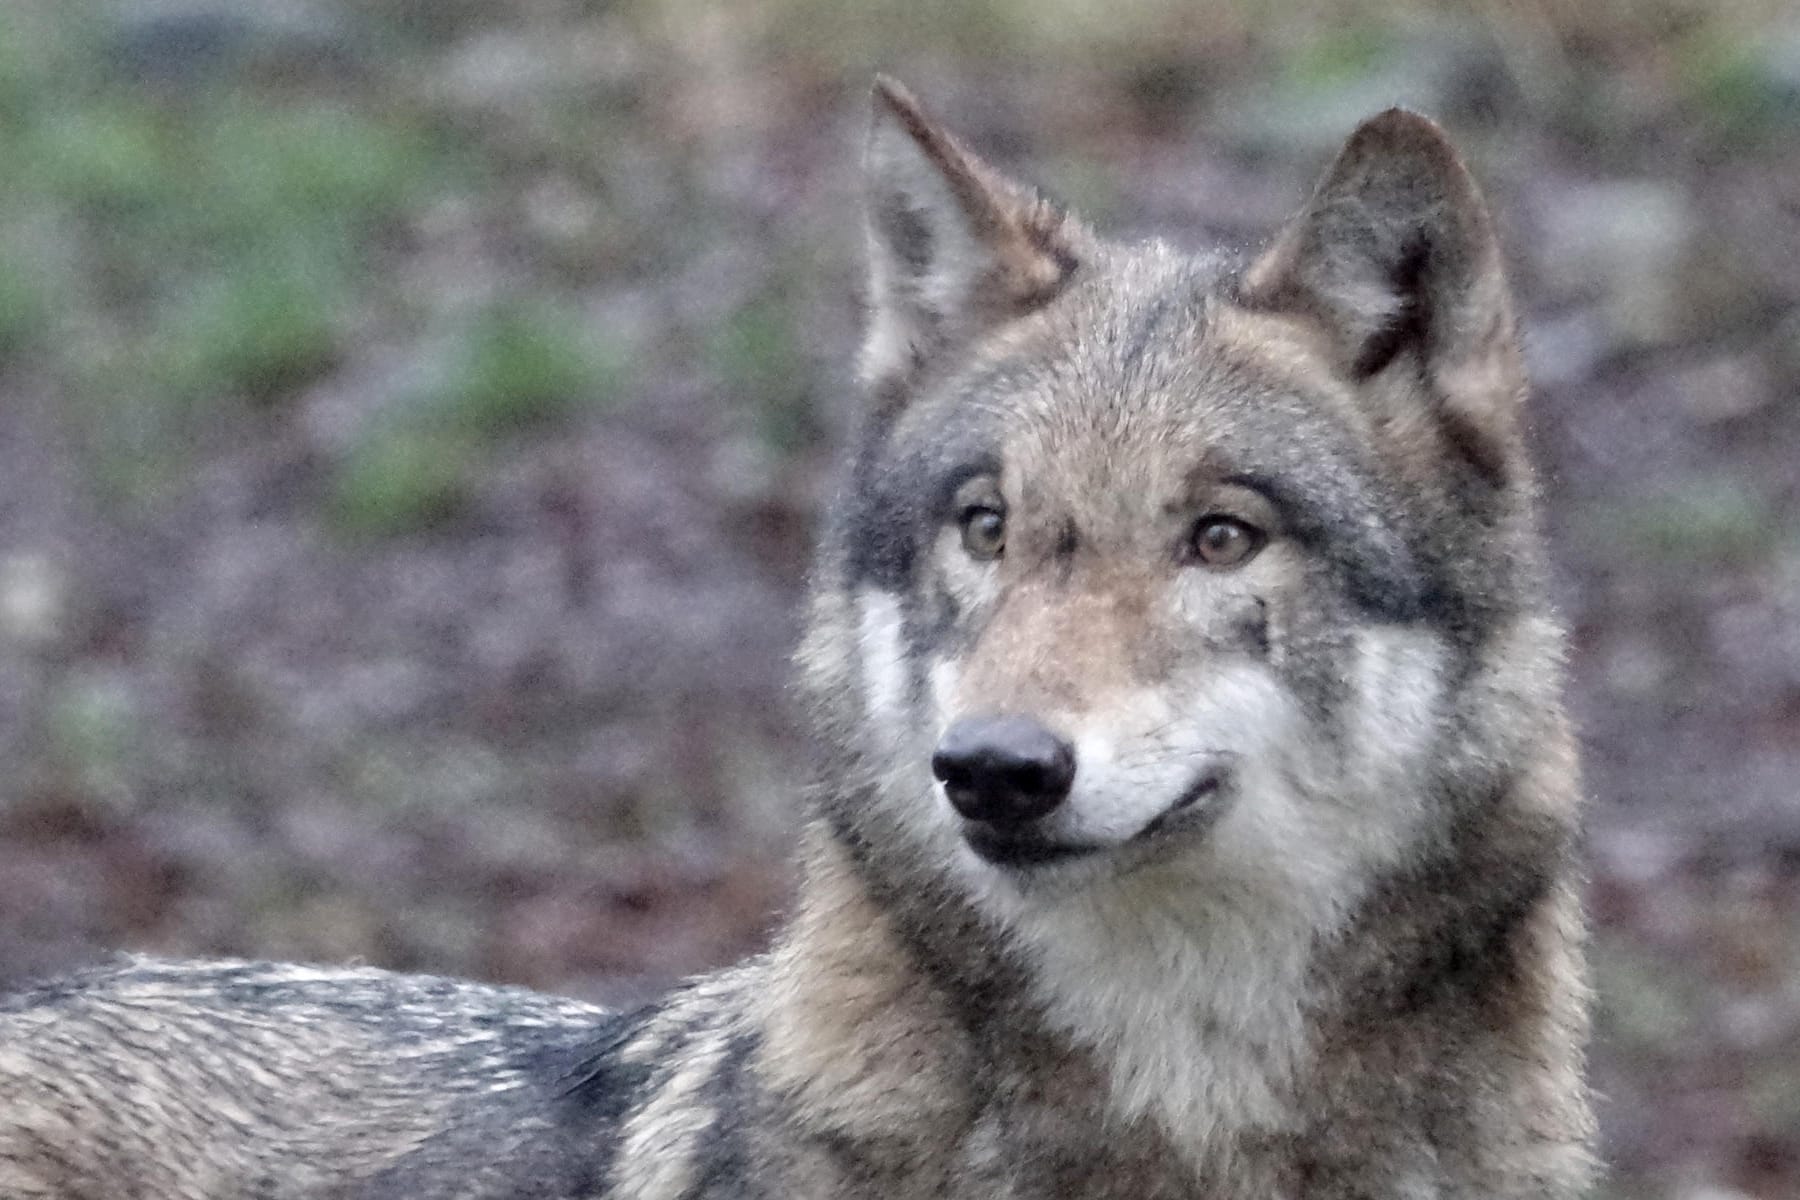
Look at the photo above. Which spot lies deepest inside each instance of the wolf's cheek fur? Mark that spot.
(882, 655)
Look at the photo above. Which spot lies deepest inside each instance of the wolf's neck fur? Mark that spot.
(1223, 1043)
(1196, 1016)
(1188, 1032)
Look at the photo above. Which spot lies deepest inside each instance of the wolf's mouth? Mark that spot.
(1013, 850)
(1192, 811)
(1188, 813)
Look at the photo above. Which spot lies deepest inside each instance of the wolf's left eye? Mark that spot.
(983, 531)
(1225, 541)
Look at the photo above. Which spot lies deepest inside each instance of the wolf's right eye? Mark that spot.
(1220, 541)
(983, 531)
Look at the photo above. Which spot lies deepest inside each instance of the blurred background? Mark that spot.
(413, 415)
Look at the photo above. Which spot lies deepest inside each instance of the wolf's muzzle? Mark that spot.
(1004, 771)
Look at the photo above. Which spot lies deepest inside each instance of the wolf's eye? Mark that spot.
(1226, 541)
(983, 531)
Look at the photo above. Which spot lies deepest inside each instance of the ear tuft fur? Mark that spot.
(955, 248)
(1395, 259)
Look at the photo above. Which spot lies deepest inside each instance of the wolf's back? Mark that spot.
(159, 1081)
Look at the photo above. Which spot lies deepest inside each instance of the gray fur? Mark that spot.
(1352, 970)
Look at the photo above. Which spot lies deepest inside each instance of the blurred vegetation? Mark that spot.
(190, 251)
(210, 201)
(206, 275)
(513, 367)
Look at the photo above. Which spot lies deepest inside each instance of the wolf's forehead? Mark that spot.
(1132, 334)
(1142, 370)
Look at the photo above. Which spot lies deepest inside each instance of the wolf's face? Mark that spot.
(1152, 561)
(1121, 617)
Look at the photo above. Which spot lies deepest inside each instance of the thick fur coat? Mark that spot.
(1195, 814)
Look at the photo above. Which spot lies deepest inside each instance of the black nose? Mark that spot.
(1003, 770)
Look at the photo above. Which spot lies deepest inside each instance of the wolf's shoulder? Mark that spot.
(245, 987)
(407, 1085)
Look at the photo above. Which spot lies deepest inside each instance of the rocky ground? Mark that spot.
(413, 416)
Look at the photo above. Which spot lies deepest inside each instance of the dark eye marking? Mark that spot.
(1288, 506)
(946, 502)
(1343, 520)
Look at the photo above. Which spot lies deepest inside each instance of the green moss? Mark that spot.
(260, 166)
(401, 479)
(30, 49)
(109, 155)
(520, 364)
(757, 356)
(224, 240)
(1734, 83)
(92, 733)
(258, 330)
(1717, 520)
(1339, 54)
(24, 308)
(1643, 1006)
(516, 367)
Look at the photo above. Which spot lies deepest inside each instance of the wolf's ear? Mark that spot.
(955, 249)
(1395, 258)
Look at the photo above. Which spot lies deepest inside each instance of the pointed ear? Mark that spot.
(955, 249)
(1395, 259)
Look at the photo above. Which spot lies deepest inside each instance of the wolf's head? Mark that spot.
(1151, 563)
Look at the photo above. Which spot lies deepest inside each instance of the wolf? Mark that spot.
(1195, 813)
